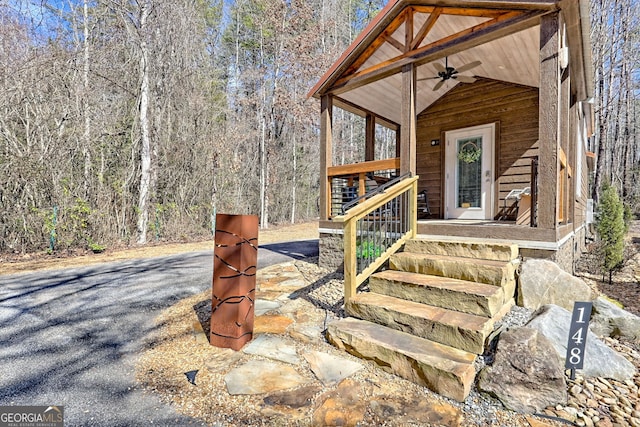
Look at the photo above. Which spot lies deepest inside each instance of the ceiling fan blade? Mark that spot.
(439, 67)
(468, 66)
(465, 79)
(428, 78)
(438, 85)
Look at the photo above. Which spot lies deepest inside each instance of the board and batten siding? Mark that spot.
(514, 109)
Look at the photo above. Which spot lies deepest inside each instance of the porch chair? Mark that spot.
(423, 205)
(515, 195)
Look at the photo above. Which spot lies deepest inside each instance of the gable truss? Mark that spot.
(499, 23)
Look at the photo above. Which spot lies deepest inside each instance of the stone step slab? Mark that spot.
(496, 273)
(460, 295)
(443, 369)
(464, 331)
(462, 249)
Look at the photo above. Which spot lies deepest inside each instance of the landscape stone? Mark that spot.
(607, 319)
(271, 324)
(599, 359)
(415, 412)
(283, 284)
(307, 332)
(272, 347)
(331, 369)
(533, 422)
(258, 377)
(296, 398)
(525, 375)
(269, 295)
(264, 306)
(285, 269)
(342, 407)
(544, 282)
(222, 359)
(303, 311)
(282, 278)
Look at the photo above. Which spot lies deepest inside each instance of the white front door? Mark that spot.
(469, 173)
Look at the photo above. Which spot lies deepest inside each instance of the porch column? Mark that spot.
(408, 120)
(549, 125)
(370, 138)
(326, 156)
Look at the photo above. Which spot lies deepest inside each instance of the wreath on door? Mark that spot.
(469, 152)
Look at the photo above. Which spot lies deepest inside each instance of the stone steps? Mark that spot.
(428, 317)
(453, 328)
(454, 294)
(461, 249)
(447, 370)
(490, 272)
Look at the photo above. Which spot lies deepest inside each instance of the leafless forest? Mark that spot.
(127, 121)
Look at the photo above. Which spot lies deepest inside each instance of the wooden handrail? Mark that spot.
(364, 167)
(351, 277)
(364, 208)
(357, 171)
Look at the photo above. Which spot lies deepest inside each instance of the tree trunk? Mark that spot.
(145, 153)
(86, 134)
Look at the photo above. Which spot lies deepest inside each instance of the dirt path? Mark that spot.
(11, 264)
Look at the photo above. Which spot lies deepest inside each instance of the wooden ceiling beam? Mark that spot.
(408, 29)
(426, 27)
(523, 5)
(362, 112)
(462, 11)
(506, 24)
(395, 43)
(379, 41)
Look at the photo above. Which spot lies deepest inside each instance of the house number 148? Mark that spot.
(578, 336)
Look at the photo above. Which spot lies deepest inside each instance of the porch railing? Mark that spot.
(375, 229)
(346, 182)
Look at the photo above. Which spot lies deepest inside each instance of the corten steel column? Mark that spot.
(234, 280)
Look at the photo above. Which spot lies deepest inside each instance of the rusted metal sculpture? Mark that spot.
(234, 280)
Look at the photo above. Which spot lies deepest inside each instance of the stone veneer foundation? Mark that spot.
(332, 250)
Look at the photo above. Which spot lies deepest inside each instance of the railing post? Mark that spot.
(362, 188)
(413, 214)
(350, 260)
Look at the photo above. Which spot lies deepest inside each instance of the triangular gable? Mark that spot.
(420, 32)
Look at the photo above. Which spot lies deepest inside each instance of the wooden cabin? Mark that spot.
(490, 102)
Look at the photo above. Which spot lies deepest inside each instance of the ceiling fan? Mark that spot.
(445, 73)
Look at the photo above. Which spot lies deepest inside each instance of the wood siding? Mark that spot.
(514, 109)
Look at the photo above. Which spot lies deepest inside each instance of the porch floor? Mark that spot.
(487, 230)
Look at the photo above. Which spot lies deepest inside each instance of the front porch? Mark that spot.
(563, 245)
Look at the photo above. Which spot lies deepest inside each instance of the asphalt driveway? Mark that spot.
(71, 337)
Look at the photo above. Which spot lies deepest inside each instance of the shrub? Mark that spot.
(611, 228)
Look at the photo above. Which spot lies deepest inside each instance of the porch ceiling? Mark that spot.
(504, 36)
